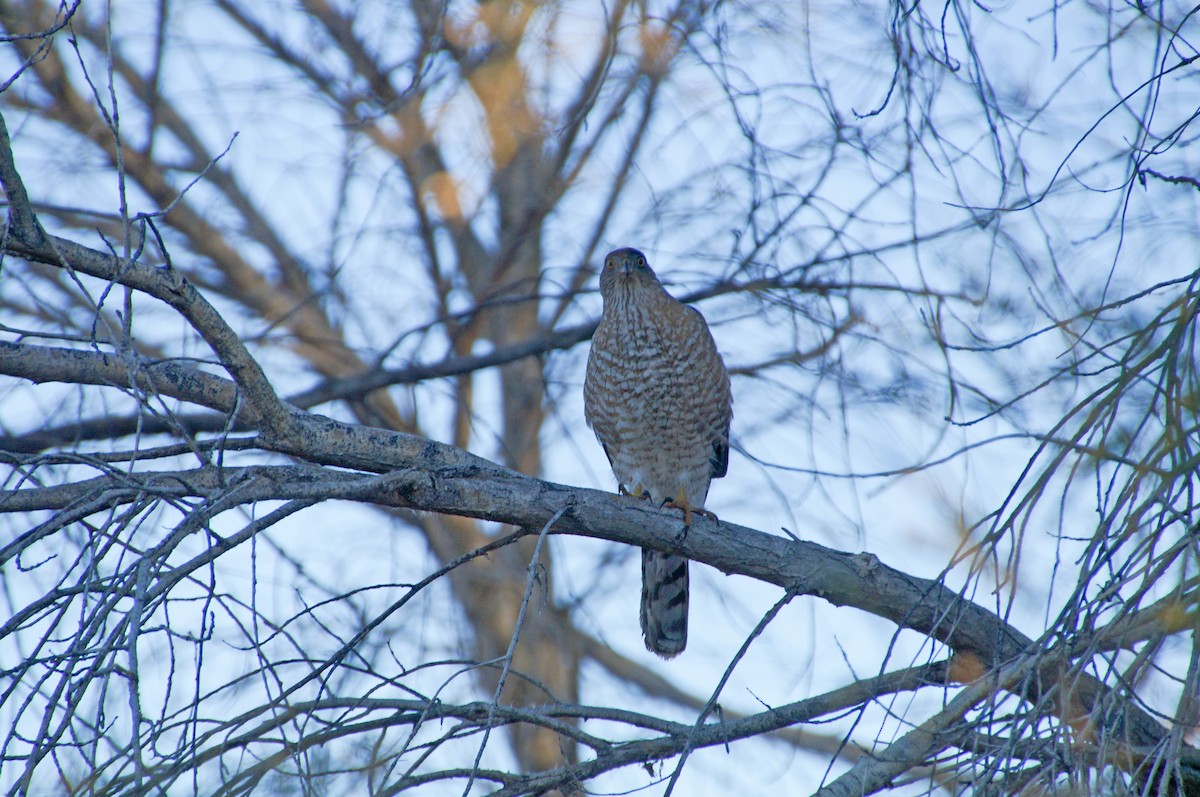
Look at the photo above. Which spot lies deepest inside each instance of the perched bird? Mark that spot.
(657, 396)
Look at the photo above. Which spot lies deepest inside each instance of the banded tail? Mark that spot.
(664, 612)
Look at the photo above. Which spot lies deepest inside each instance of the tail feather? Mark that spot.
(664, 602)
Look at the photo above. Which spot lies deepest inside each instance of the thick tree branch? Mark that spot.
(425, 475)
(82, 367)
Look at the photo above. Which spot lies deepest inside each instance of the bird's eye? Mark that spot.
(641, 262)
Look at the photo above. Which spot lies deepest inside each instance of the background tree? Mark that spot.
(293, 302)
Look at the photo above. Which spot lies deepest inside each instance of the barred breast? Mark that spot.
(658, 398)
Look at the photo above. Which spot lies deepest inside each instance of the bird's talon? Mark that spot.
(672, 503)
(640, 492)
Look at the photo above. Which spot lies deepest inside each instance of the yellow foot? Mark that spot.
(680, 502)
(639, 492)
(687, 510)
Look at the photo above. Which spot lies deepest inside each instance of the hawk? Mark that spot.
(657, 396)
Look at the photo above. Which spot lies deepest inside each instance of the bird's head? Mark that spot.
(625, 271)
